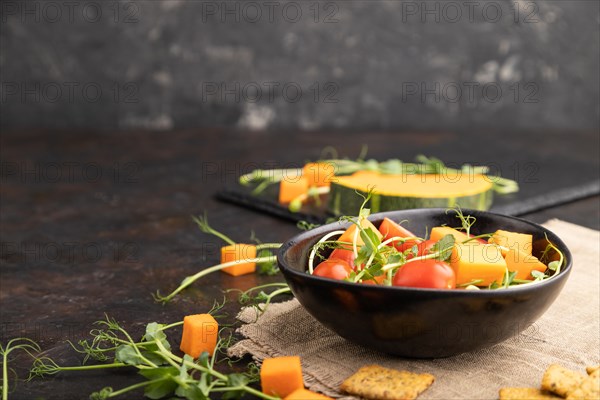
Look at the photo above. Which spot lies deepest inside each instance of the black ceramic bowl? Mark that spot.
(422, 323)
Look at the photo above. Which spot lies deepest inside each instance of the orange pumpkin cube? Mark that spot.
(303, 394)
(291, 188)
(200, 334)
(521, 242)
(281, 376)
(240, 253)
(440, 231)
(474, 261)
(318, 174)
(523, 264)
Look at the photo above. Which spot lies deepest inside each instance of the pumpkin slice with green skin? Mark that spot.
(396, 192)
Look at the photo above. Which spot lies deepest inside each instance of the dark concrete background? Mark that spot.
(352, 65)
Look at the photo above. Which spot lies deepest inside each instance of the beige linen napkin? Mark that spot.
(568, 334)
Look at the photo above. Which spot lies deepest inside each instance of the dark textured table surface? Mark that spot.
(95, 223)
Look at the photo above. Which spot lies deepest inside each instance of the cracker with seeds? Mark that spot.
(379, 383)
(589, 388)
(526, 394)
(592, 368)
(561, 380)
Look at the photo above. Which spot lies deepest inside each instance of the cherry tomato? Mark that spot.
(425, 274)
(334, 269)
(344, 255)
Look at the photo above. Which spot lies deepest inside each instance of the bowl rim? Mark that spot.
(324, 229)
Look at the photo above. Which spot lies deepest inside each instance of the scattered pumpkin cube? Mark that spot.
(303, 394)
(200, 334)
(239, 252)
(281, 376)
(440, 231)
(523, 264)
(318, 174)
(513, 240)
(290, 188)
(473, 261)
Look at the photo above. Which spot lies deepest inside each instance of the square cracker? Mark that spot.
(526, 394)
(561, 380)
(379, 383)
(589, 388)
(592, 368)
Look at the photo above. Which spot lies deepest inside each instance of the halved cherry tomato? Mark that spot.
(390, 229)
(344, 255)
(334, 269)
(428, 273)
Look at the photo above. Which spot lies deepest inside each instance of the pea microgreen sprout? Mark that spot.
(555, 265)
(466, 221)
(171, 376)
(202, 223)
(265, 260)
(248, 298)
(313, 252)
(193, 278)
(306, 226)
(17, 344)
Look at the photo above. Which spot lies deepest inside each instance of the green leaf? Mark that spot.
(511, 278)
(553, 266)
(156, 373)
(268, 268)
(191, 392)
(154, 332)
(183, 372)
(444, 246)
(160, 389)
(102, 394)
(306, 226)
(493, 285)
(203, 359)
(413, 251)
(363, 256)
(126, 353)
(233, 395)
(395, 258)
(537, 275)
(370, 239)
(151, 352)
(237, 380)
(165, 385)
(351, 277)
